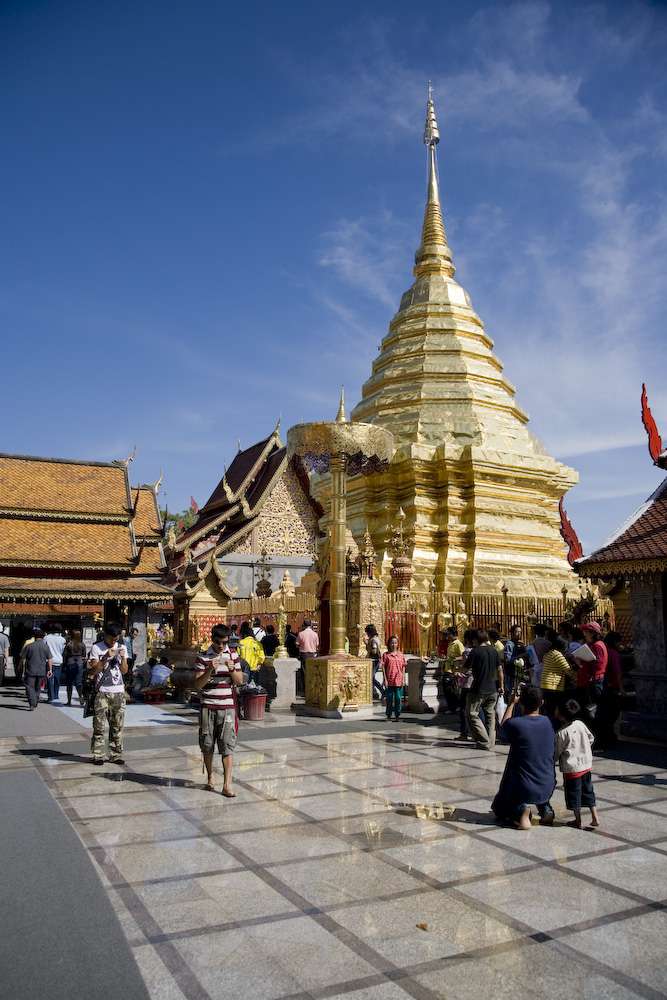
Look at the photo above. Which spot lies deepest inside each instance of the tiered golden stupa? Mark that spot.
(479, 491)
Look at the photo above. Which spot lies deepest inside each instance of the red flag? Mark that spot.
(180, 525)
(194, 505)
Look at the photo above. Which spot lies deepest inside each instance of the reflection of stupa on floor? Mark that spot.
(479, 490)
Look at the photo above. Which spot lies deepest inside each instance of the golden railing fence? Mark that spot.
(402, 612)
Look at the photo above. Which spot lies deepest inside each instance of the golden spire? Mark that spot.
(340, 416)
(433, 256)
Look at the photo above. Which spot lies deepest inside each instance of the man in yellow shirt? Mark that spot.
(451, 664)
(250, 650)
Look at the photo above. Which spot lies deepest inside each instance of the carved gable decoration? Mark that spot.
(288, 523)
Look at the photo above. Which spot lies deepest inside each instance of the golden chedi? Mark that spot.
(479, 490)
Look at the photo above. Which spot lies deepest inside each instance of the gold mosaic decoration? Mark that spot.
(288, 523)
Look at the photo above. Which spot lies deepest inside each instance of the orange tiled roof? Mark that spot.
(52, 543)
(146, 517)
(62, 486)
(642, 538)
(14, 586)
(150, 563)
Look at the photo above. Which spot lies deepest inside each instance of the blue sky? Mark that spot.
(211, 209)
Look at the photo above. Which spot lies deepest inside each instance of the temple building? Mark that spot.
(257, 533)
(78, 544)
(478, 489)
(632, 565)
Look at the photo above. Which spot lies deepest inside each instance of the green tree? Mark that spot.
(186, 517)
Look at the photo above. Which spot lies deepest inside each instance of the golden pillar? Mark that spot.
(344, 450)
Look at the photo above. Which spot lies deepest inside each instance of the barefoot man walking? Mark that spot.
(216, 671)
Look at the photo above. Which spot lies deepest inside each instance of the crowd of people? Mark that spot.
(578, 660)
(549, 699)
(552, 698)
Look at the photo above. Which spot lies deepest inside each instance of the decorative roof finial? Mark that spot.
(153, 487)
(124, 463)
(433, 256)
(340, 417)
(431, 133)
(275, 434)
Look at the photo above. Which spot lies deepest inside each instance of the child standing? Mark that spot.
(573, 752)
(393, 672)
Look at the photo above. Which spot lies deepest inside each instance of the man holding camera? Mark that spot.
(529, 776)
(217, 672)
(108, 663)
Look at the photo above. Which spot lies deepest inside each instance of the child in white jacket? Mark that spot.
(573, 752)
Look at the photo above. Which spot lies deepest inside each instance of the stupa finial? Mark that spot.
(431, 133)
(340, 416)
(433, 256)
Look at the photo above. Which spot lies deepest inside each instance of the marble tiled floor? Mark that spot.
(319, 880)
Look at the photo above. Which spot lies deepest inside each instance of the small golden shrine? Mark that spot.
(477, 490)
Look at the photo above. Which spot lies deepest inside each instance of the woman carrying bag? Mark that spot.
(74, 658)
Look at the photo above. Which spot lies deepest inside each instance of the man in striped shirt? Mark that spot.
(216, 672)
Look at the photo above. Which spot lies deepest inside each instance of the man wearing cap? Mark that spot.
(590, 678)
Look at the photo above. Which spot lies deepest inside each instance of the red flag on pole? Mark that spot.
(180, 525)
(194, 505)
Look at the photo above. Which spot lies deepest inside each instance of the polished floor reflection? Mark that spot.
(367, 865)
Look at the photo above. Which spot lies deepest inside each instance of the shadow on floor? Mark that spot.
(152, 779)
(50, 753)
(635, 779)
(651, 754)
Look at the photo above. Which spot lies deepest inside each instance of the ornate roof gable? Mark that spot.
(240, 494)
(640, 544)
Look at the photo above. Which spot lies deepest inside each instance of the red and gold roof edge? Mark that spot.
(106, 567)
(627, 567)
(65, 515)
(149, 592)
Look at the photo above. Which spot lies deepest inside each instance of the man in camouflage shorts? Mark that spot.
(108, 663)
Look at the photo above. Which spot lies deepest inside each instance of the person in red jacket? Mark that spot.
(590, 678)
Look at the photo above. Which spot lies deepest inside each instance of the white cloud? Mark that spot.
(369, 254)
